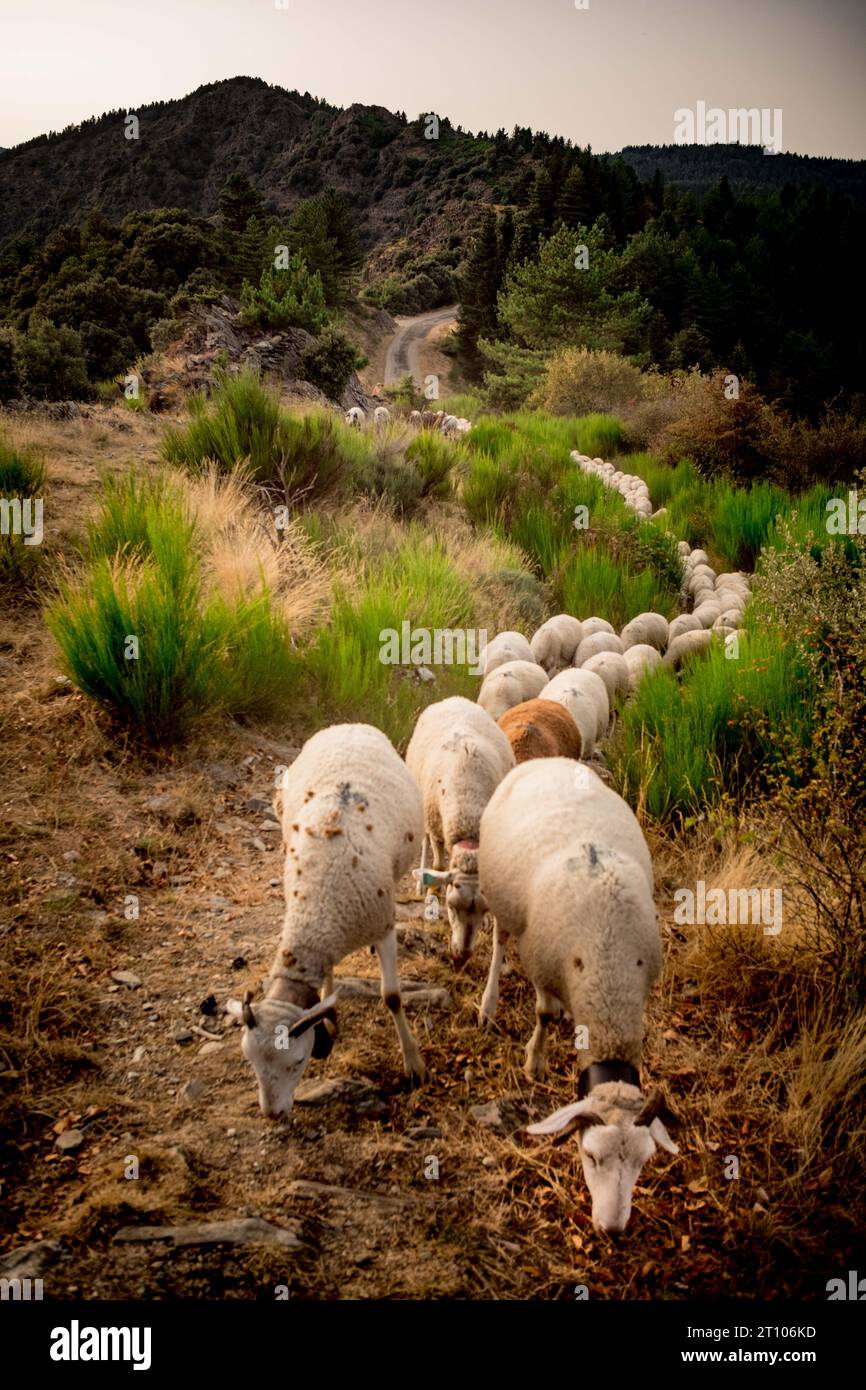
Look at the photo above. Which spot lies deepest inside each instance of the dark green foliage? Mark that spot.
(239, 200)
(50, 362)
(9, 386)
(331, 362)
(289, 298)
(22, 480)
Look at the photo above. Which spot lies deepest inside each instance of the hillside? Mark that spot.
(292, 145)
(698, 168)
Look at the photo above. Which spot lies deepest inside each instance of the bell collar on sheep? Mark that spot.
(599, 1072)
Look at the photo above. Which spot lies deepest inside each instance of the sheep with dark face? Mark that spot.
(352, 824)
(567, 873)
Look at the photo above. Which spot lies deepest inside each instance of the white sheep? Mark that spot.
(458, 756)
(352, 823)
(613, 671)
(706, 612)
(595, 643)
(506, 646)
(355, 417)
(449, 425)
(584, 695)
(683, 622)
(647, 629)
(639, 659)
(511, 684)
(556, 641)
(686, 644)
(381, 416)
(567, 872)
(592, 625)
(415, 418)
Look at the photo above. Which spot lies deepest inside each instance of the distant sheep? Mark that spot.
(584, 695)
(683, 622)
(591, 625)
(639, 659)
(506, 646)
(650, 629)
(556, 641)
(568, 875)
(355, 417)
(686, 644)
(511, 684)
(613, 670)
(458, 755)
(541, 729)
(381, 417)
(595, 643)
(352, 823)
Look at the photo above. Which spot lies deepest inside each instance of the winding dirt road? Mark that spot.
(403, 351)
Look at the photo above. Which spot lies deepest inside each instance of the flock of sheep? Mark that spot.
(519, 827)
(449, 425)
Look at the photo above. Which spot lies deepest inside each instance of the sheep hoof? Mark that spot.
(486, 1019)
(535, 1067)
(416, 1074)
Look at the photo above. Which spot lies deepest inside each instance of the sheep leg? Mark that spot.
(490, 997)
(413, 1064)
(439, 860)
(547, 1008)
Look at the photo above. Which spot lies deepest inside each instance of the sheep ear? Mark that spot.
(578, 1115)
(317, 1014)
(655, 1108)
(662, 1138)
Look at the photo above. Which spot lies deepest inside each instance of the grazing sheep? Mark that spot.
(352, 821)
(591, 625)
(584, 695)
(684, 548)
(381, 416)
(415, 418)
(541, 729)
(706, 612)
(458, 756)
(509, 685)
(595, 643)
(355, 417)
(463, 425)
(567, 872)
(683, 622)
(698, 557)
(556, 641)
(430, 419)
(613, 671)
(448, 425)
(648, 629)
(686, 644)
(506, 646)
(639, 659)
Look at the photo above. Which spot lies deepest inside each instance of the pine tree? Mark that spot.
(478, 290)
(572, 206)
(239, 201)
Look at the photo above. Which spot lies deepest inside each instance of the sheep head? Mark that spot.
(464, 900)
(278, 1040)
(618, 1129)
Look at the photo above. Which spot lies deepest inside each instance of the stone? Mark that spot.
(192, 1090)
(126, 977)
(182, 1035)
(29, 1261)
(252, 1231)
(209, 1048)
(334, 1088)
(507, 1115)
(171, 807)
(69, 1141)
(159, 870)
(424, 1132)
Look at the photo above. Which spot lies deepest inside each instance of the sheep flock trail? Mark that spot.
(403, 353)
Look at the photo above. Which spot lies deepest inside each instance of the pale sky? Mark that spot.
(608, 76)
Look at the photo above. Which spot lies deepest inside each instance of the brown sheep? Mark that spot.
(541, 729)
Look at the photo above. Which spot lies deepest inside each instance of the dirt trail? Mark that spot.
(404, 354)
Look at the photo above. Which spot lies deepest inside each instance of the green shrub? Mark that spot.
(592, 583)
(138, 631)
(580, 380)
(723, 726)
(290, 298)
(49, 362)
(434, 458)
(22, 485)
(331, 361)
